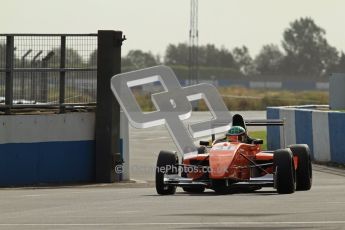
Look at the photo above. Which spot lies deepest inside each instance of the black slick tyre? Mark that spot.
(166, 164)
(304, 168)
(284, 178)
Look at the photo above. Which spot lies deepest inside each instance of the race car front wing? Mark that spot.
(176, 180)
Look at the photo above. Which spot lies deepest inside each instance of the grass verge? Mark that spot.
(239, 98)
(260, 135)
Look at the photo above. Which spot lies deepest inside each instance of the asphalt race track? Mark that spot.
(137, 206)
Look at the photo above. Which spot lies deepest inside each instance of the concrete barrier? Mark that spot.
(336, 123)
(52, 148)
(323, 131)
(320, 133)
(289, 115)
(273, 132)
(55, 148)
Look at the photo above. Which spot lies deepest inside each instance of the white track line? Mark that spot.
(152, 139)
(269, 223)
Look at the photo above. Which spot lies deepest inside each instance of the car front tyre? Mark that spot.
(166, 164)
(284, 175)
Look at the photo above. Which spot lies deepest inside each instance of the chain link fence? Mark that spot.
(45, 70)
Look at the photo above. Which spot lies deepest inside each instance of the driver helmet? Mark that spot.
(236, 134)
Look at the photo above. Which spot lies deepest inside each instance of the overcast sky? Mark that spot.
(150, 25)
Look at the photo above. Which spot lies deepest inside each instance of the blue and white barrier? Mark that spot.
(55, 148)
(323, 131)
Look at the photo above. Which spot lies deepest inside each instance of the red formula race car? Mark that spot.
(229, 165)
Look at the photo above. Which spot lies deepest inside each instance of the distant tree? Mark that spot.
(133, 60)
(243, 60)
(73, 58)
(209, 55)
(93, 59)
(338, 67)
(341, 63)
(269, 60)
(158, 59)
(138, 59)
(177, 54)
(307, 50)
(226, 59)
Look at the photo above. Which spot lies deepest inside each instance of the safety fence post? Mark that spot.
(108, 109)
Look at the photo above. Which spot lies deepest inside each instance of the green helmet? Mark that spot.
(236, 131)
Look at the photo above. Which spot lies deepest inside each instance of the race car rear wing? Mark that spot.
(237, 120)
(269, 122)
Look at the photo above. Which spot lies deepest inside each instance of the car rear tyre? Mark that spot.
(166, 164)
(284, 178)
(304, 168)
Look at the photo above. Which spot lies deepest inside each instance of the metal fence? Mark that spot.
(41, 70)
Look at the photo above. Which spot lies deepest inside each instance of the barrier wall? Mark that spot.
(323, 131)
(55, 148)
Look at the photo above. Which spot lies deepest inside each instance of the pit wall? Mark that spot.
(54, 148)
(323, 131)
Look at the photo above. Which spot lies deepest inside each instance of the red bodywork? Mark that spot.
(231, 160)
